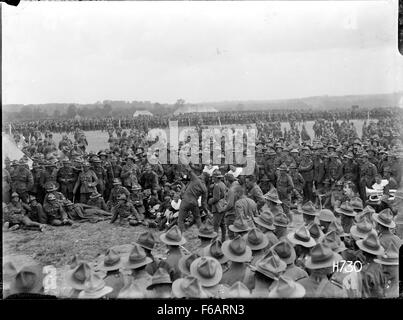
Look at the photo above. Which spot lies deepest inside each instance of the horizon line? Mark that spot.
(212, 102)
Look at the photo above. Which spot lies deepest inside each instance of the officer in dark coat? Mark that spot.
(87, 181)
(219, 193)
(334, 170)
(306, 170)
(367, 172)
(350, 168)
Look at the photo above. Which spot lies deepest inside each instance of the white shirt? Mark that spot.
(210, 170)
(236, 173)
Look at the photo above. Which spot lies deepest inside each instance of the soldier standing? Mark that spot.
(368, 172)
(285, 186)
(66, 178)
(350, 168)
(101, 175)
(23, 181)
(334, 170)
(149, 179)
(219, 192)
(298, 181)
(254, 191)
(6, 186)
(87, 181)
(318, 169)
(306, 170)
(270, 167)
(129, 173)
(49, 174)
(107, 165)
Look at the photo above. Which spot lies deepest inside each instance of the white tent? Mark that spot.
(11, 150)
(142, 113)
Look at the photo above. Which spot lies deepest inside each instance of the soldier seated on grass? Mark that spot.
(57, 216)
(15, 216)
(125, 211)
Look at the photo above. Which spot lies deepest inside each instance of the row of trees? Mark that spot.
(100, 109)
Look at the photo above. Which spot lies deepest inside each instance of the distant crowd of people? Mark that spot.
(144, 122)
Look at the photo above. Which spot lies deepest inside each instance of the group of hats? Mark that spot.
(272, 195)
(83, 277)
(241, 225)
(26, 279)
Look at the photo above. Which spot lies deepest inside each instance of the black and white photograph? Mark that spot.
(201, 149)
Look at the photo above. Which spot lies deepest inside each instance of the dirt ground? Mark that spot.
(57, 245)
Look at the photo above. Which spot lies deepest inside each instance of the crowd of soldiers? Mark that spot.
(143, 122)
(278, 232)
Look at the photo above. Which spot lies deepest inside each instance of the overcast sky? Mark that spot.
(85, 52)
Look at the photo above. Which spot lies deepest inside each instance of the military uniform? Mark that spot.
(48, 176)
(37, 189)
(246, 207)
(55, 213)
(387, 237)
(149, 180)
(306, 170)
(87, 181)
(125, 211)
(115, 192)
(321, 289)
(23, 182)
(102, 178)
(285, 187)
(66, 178)
(116, 170)
(350, 171)
(106, 164)
(298, 181)
(270, 170)
(59, 197)
(14, 213)
(36, 213)
(99, 203)
(219, 192)
(318, 171)
(368, 172)
(6, 186)
(129, 175)
(334, 170)
(256, 194)
(373, 281)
